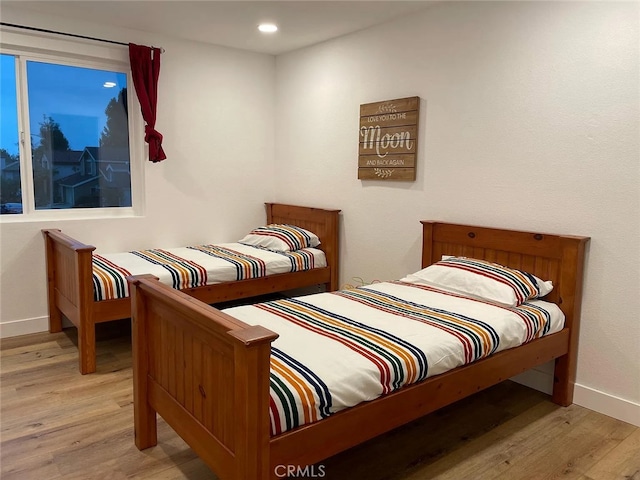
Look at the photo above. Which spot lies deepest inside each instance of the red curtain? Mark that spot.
(145, 70)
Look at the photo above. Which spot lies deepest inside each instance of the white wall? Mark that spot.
(216, 108)
(530, 120)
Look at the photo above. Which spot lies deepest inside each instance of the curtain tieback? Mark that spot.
(151, 134)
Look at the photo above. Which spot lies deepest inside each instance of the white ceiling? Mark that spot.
(234, 23)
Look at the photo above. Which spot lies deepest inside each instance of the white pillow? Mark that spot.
(484, 280)
(281, 238)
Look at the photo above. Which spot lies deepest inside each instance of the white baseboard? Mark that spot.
(586, 397)
(607, 404)
(24, 327)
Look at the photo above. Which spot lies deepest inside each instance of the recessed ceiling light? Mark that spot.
(267, 27)
(109, 84)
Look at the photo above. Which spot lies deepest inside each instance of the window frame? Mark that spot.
(78, 54)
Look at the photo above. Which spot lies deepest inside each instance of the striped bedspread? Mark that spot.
(196, 266)
(338, 349)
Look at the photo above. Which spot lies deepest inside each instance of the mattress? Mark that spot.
(196, 266)
(338, 349)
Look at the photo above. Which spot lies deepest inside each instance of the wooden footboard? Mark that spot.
(208, 375)
(70, 291)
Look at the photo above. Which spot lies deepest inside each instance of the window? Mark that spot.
(64, 135)
(10, 192)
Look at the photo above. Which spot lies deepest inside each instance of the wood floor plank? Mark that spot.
(36, 466)
(57, 424)
(569, 452)
(441, 435)
(490, 454)
(194, 470)
(31, 340)
(621, 462)
(15, 425)
(21, 352)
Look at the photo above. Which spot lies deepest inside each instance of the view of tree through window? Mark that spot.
(10, 192)
(77, 122)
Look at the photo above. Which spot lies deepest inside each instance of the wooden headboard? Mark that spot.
(324, 223)
(559, 258)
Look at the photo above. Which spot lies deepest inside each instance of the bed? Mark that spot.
(71, 265)
(207, 373)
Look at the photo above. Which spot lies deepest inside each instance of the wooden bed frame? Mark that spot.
(70, 283)
(207, 373)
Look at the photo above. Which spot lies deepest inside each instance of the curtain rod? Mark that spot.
(68, 34)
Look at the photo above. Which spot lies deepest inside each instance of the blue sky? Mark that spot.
(74, 97)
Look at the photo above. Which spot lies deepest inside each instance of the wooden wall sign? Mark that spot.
(388, 139)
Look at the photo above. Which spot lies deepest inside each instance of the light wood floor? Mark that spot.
(57, 424)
